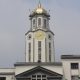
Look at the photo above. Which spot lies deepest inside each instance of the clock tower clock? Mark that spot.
(39, 35)
(40, 39)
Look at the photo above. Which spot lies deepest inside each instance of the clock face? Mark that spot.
(39, 35)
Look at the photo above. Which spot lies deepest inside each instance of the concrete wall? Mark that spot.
(44, 47)
(21, 69)
(67, 71)
(8, 77)
(8, 73)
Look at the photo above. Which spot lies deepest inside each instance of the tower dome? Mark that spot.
(39, 11)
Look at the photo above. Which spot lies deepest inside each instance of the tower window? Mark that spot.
(29, 37)
(39, 50)
(44, 23)
(29, 52)
(50, 52)
(49, 36)
(74, 65)
(34, 22)
(39, 21)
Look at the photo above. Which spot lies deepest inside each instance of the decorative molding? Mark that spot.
(38, 30)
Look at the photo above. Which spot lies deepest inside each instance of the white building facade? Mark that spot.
(40, 61)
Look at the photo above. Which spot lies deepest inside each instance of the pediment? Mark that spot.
(36, 70)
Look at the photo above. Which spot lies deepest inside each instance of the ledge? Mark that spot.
(38, 64)
(70, 56)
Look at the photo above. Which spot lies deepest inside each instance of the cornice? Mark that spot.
(38, 30)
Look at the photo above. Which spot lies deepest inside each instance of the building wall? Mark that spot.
(64, 70)
(8, 77)
(44, 47)
(57, 69)
(8, 73)
(7, 70)
(67, 71)
(21, 69)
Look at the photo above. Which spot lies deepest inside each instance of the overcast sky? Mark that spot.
(14, 23)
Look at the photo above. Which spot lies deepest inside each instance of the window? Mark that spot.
(50, 52)
(29, 37)
(39, 77)
(44, 23)
(34, 22)
(39, 50)
(76, 77)
(29, 52)
(39, 21)
(49, 36)
(2, 78)
(74, 66)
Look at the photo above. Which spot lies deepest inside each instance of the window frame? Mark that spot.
(50, 51)
(29, 36)
(2, 78)
(34, 23)
(44, 24)
(29, 51)
(38, 77)
(74, 65)
(39, 51)
(39, 22)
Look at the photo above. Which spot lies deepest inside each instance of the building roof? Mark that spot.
(70, 57)
(38, 63)
(38, 69)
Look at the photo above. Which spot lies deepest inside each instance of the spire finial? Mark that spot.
(39, 5)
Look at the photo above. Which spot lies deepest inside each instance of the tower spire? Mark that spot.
(39, 4)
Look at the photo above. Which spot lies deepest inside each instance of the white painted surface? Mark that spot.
(6, 70)
(75, 72)
(8, 77)
(56, 69)
(68, 72)
(44, 47)
(21, 69)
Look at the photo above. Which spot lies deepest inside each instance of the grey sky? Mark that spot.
(14, 23)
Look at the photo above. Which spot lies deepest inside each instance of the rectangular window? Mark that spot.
(39, 21)
(50, 52)
(39, 50)
(76, 77)
(74, 66)
(39, 77)
(29, 52)
(34, 22)
(44, 23)
(2, 78)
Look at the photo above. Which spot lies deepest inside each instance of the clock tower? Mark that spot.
(39, 39)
